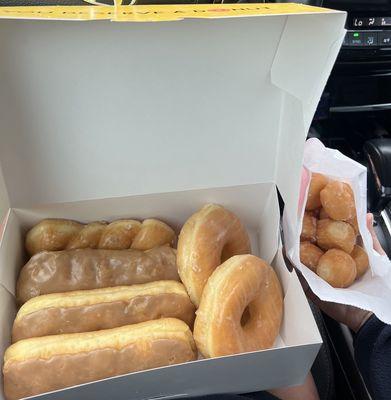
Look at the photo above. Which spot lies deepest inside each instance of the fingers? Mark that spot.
(333, 310)
(353, 317)
(370, 224)
(375, 240)
(307, 391)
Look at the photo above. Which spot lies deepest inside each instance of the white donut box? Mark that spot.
(105, 120)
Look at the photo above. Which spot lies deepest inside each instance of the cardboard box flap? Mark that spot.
(4, 201)
(298, 51)
(148, 13)
(104, 110)
(301, 68)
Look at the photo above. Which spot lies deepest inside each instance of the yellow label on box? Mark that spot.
(145, 13)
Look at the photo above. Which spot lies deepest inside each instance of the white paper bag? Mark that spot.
(372, 291)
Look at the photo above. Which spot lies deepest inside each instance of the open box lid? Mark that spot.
(102, 109)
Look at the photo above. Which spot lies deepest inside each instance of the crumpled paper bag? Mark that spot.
(371, 292)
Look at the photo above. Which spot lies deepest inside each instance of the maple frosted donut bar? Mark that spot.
(69, 270)
(38, 365)
(92, 310)
(65, 234)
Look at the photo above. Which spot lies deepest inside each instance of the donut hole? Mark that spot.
(225, 253)
(245, 316)
(229, 249)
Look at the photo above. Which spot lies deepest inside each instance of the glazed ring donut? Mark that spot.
(241, 308)
(208, 238)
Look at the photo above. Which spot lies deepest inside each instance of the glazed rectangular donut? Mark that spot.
(92, 310)
(69, 270)
(39, 365)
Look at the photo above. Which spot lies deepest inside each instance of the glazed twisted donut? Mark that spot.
(65, 234)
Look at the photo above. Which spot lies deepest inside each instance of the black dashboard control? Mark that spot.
(370, 39)
(367, 39)
(367, 31)
(356, 38)
(371, 22)
(385, 38)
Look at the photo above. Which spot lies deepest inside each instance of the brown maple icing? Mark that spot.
(87, 318)
(64, 271)
(35, 376)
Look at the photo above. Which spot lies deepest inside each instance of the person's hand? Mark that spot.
(376, 243)
(352, 317)
(306, 391)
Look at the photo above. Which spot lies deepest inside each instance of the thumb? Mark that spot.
(370, 224)
(376, 243)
